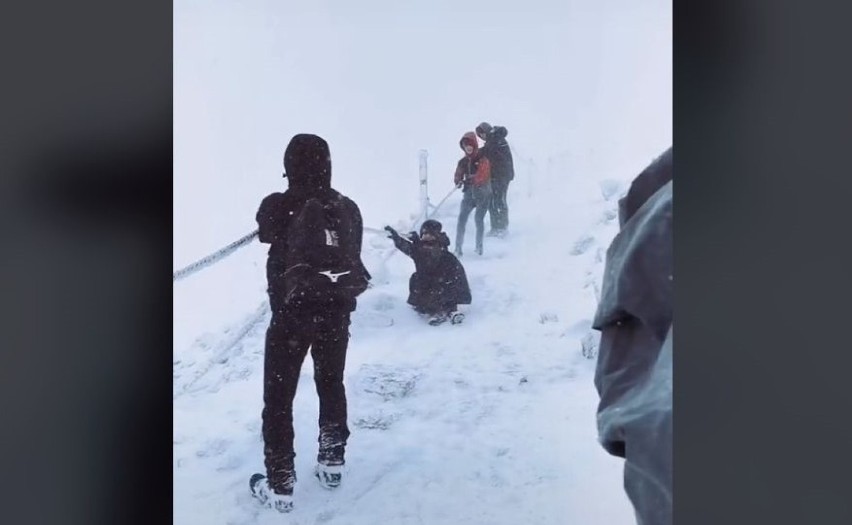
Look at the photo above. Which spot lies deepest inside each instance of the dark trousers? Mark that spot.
(498, 212)
(288, 338)
(429, 294)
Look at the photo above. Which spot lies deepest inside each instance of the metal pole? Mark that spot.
(424, 186)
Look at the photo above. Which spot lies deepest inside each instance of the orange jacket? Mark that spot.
(474, 168)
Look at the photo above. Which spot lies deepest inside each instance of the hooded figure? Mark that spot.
(296, 326)
(439, 283)
(473, 175)
(499, 154)
(634, 367)
(307, 164)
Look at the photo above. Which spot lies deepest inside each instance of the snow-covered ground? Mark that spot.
(489, 422)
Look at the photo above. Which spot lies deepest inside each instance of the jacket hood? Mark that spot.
(498, 132)
(469, 138)
(431, 226)
(652, 178)
(307, 162)
(483, 129)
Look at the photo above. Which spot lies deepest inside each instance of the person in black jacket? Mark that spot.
(499, 154)
(439, 283)
(636, 320)
(302, 321)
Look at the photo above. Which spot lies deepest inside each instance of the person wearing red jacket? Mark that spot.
(473, 175)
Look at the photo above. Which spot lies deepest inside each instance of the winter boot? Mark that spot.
(260, 489)
(329, 476)
(456, 317)
(438, 319)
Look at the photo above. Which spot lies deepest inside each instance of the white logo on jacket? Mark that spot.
(333, 276)
(331, 238)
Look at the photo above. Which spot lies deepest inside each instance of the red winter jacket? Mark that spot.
(473, 169)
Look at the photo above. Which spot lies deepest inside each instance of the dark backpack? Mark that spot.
(324, 262)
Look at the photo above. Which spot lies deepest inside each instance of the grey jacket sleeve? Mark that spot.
(634, 368)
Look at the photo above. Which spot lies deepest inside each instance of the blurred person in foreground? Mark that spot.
(634, 368)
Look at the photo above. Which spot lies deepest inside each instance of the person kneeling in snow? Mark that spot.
(439, 283)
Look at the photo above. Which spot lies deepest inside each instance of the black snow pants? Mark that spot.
(288, 338)
(498, 212)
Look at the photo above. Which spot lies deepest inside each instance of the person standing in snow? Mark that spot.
(634, 367)
(439, 283)
(304, 318)
(499, 154)
(473, 175)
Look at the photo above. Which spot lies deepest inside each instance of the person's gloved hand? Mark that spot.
(392, 232)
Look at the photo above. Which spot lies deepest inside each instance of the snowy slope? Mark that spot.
(489, 422)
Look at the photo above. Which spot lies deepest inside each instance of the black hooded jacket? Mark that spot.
(307, 165)
(439, 278)
(497, 150)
